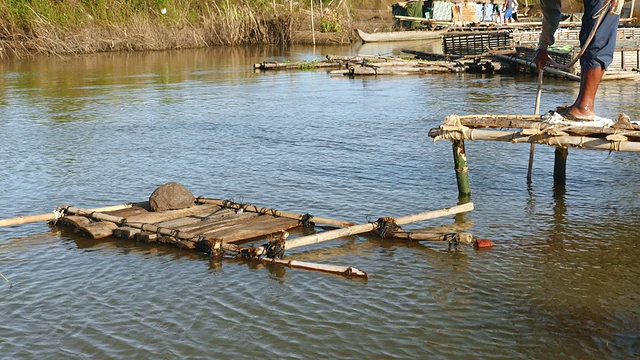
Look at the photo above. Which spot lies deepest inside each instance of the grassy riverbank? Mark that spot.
(30, 27)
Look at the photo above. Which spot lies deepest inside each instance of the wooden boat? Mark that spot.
(400, 35)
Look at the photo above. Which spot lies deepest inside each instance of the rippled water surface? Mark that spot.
(562, 281)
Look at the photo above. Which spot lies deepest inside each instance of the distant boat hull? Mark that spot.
(400, 35)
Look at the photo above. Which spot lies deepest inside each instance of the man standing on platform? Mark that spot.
(597, 56)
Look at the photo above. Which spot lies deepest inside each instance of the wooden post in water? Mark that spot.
(560, 166)
(462, 170)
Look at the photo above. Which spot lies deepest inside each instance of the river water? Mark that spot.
(561, 282)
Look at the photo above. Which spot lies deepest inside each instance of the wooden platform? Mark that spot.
(602, 134)
(622, 136)
(208, 221)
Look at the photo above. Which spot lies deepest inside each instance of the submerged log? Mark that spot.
(332, 269)
(461, 237)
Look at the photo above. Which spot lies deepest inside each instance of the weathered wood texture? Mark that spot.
(622, 136)
(207, 220)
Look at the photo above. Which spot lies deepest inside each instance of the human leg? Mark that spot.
(597, 56)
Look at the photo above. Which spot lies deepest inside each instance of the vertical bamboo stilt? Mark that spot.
(560, 166)
(461, 167)
(313, 31)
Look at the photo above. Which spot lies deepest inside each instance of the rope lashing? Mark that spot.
(452, 239)
(306, 221)
(210, 246)
(275, 248)
(386, 225)
(59, 213)
(248, 253)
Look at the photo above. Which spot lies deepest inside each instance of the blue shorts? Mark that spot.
(508, 14)
(599, 53)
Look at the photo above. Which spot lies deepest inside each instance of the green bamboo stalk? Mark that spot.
(461, 167)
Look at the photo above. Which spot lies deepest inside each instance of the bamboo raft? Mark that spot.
(621, 135)
(355, 66)
(220, 227)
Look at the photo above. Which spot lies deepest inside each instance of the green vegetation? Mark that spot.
(84, 26)
(307, 65)
(330, 24)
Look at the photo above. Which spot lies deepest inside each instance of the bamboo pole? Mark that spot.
(534, 122)
(313, 30)
(463, 237)
(583, 142)
(461, 167)
(362, 228)
(548, 69)
(536, 112)
(53, 215)
(332, 269)
(259, 210)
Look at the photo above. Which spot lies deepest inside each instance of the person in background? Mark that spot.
(427, 9)
(596, 58)
(508, 10)
(497, 17)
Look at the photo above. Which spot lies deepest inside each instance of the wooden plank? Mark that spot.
(157, 217)
(132, 211)
(74, 220)
(126, 232)
(219, 224)
(175, 223)
(194, 219)
(99, 230)
(256, 227)
(145, 236)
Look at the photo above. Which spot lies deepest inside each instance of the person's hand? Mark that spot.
(542, 56)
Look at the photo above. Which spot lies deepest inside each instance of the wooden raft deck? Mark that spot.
(208, 221)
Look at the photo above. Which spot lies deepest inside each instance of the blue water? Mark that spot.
(561, 282)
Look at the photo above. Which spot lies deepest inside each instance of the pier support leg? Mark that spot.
(560, 166)
(462, 170)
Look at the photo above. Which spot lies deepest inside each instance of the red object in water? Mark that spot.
(482, 243)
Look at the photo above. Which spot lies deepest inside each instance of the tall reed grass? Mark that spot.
(57, 27)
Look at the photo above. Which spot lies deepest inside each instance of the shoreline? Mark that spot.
(151, 31)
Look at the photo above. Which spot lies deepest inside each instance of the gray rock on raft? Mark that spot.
(171, 196)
